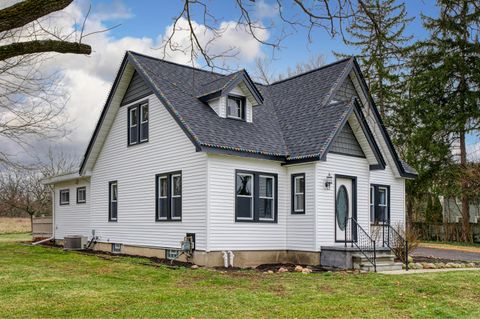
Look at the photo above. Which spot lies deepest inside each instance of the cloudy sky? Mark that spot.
(143, 26)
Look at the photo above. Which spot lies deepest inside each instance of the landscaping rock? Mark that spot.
(195, 267)
(428, 266)
(440, 265)
(411, 265)
(471, 265)
(418, 266)
(298, 268)
(410, 259)
(270, 272)
(282, 269)
(306, 271)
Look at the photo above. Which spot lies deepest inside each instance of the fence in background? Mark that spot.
(42, 227)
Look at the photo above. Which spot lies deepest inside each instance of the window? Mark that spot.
(144, 122)
(116, 248)
(380, 204)
(298, 194)
(255, 196)
(169, 196)
(64, 197)
(113, 201)
(266, 197)
(236, 107)
(81, 195)
(138, 116)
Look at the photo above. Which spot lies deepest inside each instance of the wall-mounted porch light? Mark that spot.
(328, 181)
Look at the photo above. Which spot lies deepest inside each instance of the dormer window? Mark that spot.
(236, 107)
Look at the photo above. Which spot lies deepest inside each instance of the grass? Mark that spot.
(49, 282)
(10, 225)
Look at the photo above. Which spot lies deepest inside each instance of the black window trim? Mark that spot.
(60, 196)
(138, 106)
(169, 176)
(110, 219)
(243, 107)
(375, 204)
(256, 197)
(79, 189)
(298, 212)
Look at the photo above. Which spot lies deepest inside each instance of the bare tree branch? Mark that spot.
(40, 46)
(27, 11)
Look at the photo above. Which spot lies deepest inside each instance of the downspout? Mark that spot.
(53, 222)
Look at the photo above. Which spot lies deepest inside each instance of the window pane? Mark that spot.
(382, 196)
(133, 117)
(299, 202)
(114, 192)
(144, 131)
(266, 186)
(133, 135)
(380, 215)
(144, 112)
(266, 209)
(163, 207)
(244, 185)
(163, 184)
(299, 185)
(234, 107)
(176, 185)
(113, 210)
(176, 207)
(244, 207)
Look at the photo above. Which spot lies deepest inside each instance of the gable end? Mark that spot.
(346, 143)
(137, 89)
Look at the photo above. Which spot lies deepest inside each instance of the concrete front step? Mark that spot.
(382, 266)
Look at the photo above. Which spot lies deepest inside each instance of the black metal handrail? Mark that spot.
(356, 235)
(395, 241)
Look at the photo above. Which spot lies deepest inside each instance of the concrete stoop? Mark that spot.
(385, 261)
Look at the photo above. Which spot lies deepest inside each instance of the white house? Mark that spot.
(273, 173)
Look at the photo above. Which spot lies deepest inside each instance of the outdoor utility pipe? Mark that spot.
(225, 259)
(231, 256)
(53, 222)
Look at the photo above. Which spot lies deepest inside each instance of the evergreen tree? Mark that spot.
(444, 86)
(379, 33)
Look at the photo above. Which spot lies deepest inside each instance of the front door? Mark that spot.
(345, 205)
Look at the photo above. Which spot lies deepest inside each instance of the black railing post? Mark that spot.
(383, 235)
(374, 256)
(346, 230)
(406, 255)
(352, 234)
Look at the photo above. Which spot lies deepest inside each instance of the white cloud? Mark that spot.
(87, 79)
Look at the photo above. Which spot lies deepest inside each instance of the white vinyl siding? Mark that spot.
(135, 168)
(72, 219)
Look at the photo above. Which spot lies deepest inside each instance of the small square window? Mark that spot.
(81, 195)
(116, 248)
(64, 197)
(236, 107)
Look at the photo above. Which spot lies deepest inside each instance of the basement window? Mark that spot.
(116, 248)
(64, 197)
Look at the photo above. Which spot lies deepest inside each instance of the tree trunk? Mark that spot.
(31, 223)
(466, 234)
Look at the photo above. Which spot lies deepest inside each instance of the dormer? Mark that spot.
(232, 96)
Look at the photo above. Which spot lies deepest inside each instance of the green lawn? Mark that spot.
(48, 282)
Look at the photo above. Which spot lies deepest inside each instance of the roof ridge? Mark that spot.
(311, 71)
(175, 63)
(225, 76)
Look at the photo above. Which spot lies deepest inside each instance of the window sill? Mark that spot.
(138, 143)
(167, 220)
(256, 221)
(298, 213)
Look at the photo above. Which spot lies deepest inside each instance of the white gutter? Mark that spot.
(53, 222)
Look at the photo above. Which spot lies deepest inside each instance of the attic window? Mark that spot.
(236, 107)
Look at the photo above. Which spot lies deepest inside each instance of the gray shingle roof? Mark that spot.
(292, 122)
(296, 120)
